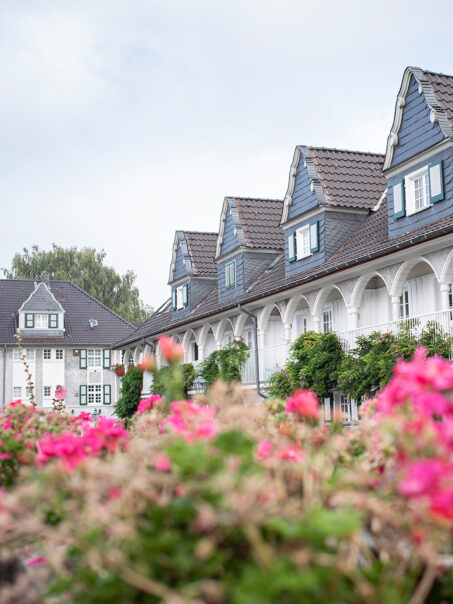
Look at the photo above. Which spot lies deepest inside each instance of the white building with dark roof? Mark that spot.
(66, 336)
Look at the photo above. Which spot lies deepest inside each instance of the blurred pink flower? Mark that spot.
(172, 351)
(149, 403)
(162, 463)
(264, 449)
(304, 404)
(60, 393)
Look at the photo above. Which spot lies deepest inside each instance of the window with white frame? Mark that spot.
(417, 191)
(230, 274)
(303, 242)
(47, 354)
(17, 392)
(94, 358)
(180, 297)
(46, 391)
(404, 305)
(59, 355)
(41, 320)
(327, 320)
(29, 354)
(94, 394)
(27, 392)
(345, 407)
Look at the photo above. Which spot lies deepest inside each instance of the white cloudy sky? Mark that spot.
(124, 120)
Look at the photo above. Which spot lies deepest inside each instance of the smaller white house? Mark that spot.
(66, 337)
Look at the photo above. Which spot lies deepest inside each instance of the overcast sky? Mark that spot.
(124, 120)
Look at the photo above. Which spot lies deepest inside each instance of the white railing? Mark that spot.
(273, 358)
(440, 322)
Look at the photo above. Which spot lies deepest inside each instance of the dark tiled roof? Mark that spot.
(443, 91)
(41, 300)
(350, 179)
(260, 220)
(201, 247)
(370, 240)
(79, 308)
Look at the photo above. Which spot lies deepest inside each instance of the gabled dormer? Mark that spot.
(419, 155)
(330, 192)
(249, 240)
(193, 271)
(41, 313)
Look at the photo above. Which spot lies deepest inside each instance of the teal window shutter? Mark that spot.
(227, 276)
(230, 274)
(29, 320)
(174, 299)
(185, 294)
(233, 269)
(107, 394)
(82, 358)
(314, 236)
(399, 200)
(436, 182)
(53, 321)
(106, 358)
(83, 394)
(292, 249)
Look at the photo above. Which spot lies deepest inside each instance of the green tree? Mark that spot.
(314, 361)
(130, 391)
(85, 268)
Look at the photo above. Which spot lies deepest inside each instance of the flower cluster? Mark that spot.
(71, 449)
(192, 421)
(149, 403)
(304, 404)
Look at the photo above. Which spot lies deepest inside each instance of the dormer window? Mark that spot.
(180, 297)
(417, 191)
(41, 320)
(304, 242)
(230, 275)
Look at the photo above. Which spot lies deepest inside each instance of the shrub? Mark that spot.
(314, 363)
(163, 375)
(130, 392)
(225, 364)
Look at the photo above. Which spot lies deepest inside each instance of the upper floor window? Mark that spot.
(303, 242)
(41, 320)
(47, 354)
(180, 297)
(418, 190)
(29, 354)
(94, 358)
(17, 392)
(230, 274)
(59, 355)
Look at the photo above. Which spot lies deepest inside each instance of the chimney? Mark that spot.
(46, 278)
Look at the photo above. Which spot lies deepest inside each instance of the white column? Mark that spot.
(288, 328)
(353, 315)
(395, 308)
(147, 383)
(200, 352)
(260, 334)
(445, 296)
(218, 345)
(317, 323)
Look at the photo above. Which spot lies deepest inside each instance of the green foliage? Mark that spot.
(366, 369)
(314, 362)
(165, 377)
(131, 388)
(225, 364)
(85, 268)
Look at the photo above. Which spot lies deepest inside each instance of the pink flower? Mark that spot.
(149, 403)
(38, 561)
(172, 351)
(423, 477)
(304, 404)
(292, 453)
(148, 363)
(60, 393)
(162, 463)
(264, 449)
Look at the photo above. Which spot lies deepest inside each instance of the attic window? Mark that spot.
(417, 191)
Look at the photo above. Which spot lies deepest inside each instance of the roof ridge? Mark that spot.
(445, 75)
(200, 232)
(344, 150)
(233, 197)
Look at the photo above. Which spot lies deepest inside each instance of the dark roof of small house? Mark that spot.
(442, 86)
(201, 248)
(370, 240)
(79, 308)
(260, 221)
(349, 179)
